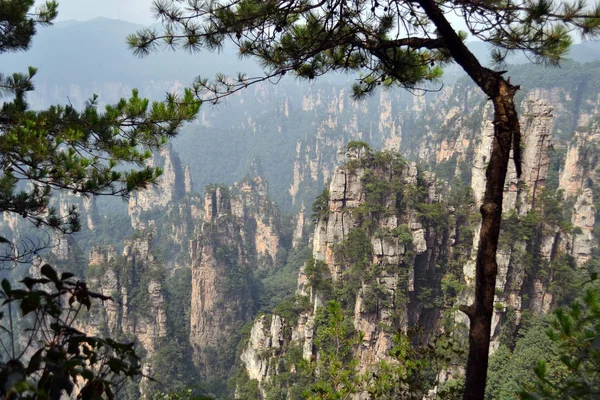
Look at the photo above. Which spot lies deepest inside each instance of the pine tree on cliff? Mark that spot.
(83, 152)
(394, 44)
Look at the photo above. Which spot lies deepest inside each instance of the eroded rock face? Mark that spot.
(91, 212)
(171, 186)
(298, 235)
(518, 286)
(251, 204)
(271, 339)
(266, 338)
(145, 317)
(239, 233)
(584, 218)
(536, 123)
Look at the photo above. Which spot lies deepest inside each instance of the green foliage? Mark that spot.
(320, 207)
(410, 372)
(522, 236)
(434, 214)
(50, 368)
(173, 368)
(184, 394)
(382, 183)
(575, 332)
(508, 369)
(19, 27)
(404, 235)
(280, 283)
(87, 152)
(383, 45)
(356, 255)
(246, 389)
(318, 275)
(335, 369)
(291, 308)
(358, 145)
(118, 134)
(413, 369)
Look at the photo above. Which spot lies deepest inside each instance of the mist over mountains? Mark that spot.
(95, 51)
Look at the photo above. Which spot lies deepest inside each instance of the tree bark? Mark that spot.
(481, 311)
(506, 133)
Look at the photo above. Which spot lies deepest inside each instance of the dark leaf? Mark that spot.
(87, 374)
(30, 303)
(35, 362)
(51, 274)
(100, 296)
(115, 365)
(66, 275)
(6, 287)
(30, 282)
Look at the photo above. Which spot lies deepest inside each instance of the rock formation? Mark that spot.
(239, 236)
(171, 187)
(371, 204)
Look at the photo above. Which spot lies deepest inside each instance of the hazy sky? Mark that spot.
(137, 11)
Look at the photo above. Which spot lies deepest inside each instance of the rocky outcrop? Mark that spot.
(365, 208)
(138, 308)
(239, 236)
(150, 326)
(266, 340)
(583, 219)
(537, 123)
(298, 234)
(536, 232)
(220, 289)
(521, 283)
(171, 186)
(90, 211)
(251, 204)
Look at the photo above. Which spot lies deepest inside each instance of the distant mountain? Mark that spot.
(581, 52)
(96, 51)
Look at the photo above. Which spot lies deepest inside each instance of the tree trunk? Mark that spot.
(506, 134)
(480, 312)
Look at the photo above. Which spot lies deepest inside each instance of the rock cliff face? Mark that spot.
(310, 124)
(522, 198)
(579, 178)
(378, 207)
(239, 236)
(416, 227)
(250, 203)
(172, 185)
(267, 336)
(134, 281)
(220, 287)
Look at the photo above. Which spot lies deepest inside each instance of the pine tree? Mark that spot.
(62, 148)
(394, 44)
(85, 152)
